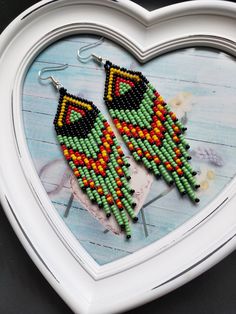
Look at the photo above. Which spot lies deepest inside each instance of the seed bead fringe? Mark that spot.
(151, 131)
(95, 157)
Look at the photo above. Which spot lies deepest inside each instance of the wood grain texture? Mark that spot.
(206, 76)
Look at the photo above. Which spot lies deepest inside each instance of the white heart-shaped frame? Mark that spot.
(163, 265)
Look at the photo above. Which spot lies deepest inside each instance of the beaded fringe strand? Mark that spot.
(149, 128)
(95, 157)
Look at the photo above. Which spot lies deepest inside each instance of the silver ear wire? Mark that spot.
(52, 79)
(85, 59)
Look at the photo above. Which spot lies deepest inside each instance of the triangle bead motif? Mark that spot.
(74, 114)
(122, 86)
(69, 104)
(116, 76)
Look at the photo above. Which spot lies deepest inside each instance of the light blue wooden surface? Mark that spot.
(207, 76)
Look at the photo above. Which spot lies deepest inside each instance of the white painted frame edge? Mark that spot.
(222, 240)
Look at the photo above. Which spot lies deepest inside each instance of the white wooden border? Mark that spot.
(162, 266)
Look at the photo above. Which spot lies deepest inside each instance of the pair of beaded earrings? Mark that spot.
(151, 131)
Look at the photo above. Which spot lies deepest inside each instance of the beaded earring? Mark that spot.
(94, 154)
(151, 131)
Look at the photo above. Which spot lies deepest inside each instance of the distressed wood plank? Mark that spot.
(43, 153)
(200, 130)
(160, 221)
(196, 51)
(213, 101)
(173, 65)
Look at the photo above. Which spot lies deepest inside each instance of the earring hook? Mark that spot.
(55, 82)
(85, 59)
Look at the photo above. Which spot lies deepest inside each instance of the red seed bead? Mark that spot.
(119, 204)
(119, 183)
(91, 184)
(173, 116)
(176, 139)
(157, 160)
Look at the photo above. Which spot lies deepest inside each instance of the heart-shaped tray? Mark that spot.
(82, 254)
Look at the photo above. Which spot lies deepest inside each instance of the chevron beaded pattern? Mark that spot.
(149, 128)
(95, 157)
